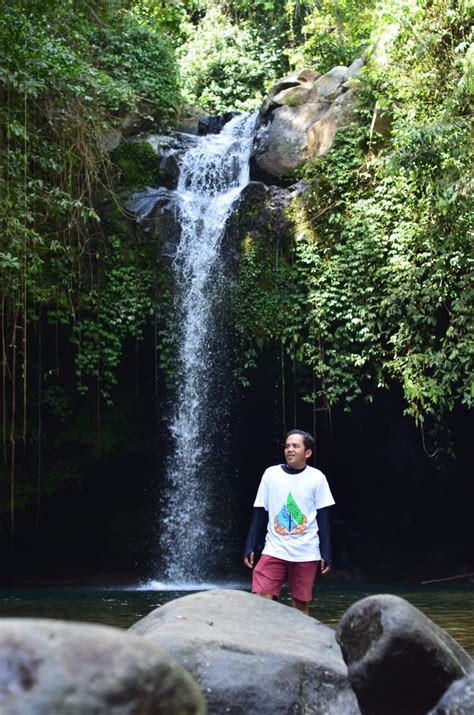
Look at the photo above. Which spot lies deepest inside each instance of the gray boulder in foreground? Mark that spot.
(399, 661)
(458, 699)
(50, 667)
(253, 656)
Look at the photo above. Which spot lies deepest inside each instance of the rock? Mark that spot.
(300, 116)
(320, 136)
(300, 83)
(172, 153)
(399, 661)
(158, 142)
(213, 125)
(138, 162)
(52, 667)
(458, 699)
(155, 211)
(282, 146)
(188, 117)
(150, 202)
(112, 139)
(260, 216)
(253, 656)
(293, 96)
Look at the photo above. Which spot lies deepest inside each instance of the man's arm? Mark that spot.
(324, 539)
(255, 535)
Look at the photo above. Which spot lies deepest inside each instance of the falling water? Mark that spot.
(213, 173)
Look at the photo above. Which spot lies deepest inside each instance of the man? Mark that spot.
(292, 500)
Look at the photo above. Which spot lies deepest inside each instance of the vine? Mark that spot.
(70, 80)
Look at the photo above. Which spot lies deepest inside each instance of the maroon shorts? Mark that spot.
(270, 573)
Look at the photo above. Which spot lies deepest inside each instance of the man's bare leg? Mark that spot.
(302, 606)
(265, 595)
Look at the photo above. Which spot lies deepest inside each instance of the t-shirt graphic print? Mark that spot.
(290, 519)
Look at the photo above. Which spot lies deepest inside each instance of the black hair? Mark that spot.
(308, 438)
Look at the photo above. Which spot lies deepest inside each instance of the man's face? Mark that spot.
(295, 452)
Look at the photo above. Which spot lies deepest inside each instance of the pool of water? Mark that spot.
(452, 607)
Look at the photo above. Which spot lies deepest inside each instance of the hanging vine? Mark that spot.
(68, 80)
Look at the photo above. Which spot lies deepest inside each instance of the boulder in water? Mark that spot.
(50, 667)
(252, 656)
(399, 661)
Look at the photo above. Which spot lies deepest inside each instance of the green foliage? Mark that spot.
(138, 163)
(72, 75)
(375, 286)
(170, 17)
(333, 33)
(379, 275)
(231, 52)
(138, 57)
(225, 66)
(118, 307)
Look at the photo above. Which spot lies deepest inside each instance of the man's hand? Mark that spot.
(324, 567)
(248, 560)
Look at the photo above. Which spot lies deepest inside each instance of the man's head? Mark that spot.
(299, 447)
(308, 438)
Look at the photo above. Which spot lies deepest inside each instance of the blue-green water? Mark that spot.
(452, 607)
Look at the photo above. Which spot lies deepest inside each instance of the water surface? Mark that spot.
(451, 607)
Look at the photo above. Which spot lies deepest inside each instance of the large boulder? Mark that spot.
(51, 667)
(399, 661)
(253, 656)
(300, 116)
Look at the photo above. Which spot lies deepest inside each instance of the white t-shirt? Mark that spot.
(292, 502)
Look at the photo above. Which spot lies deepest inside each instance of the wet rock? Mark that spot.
(171, 154)
(51, 667)
(261, 215)
(213, 125)
(149, 203)
(253, 656)
(399, 661)
(155, 211)
(458, 699)
(300, 117)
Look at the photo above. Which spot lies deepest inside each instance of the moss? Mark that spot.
(298, 217)
(138, 163)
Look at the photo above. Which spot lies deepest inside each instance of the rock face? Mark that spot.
(155, 212)
(57, 668)
(399, 661)
(188, 117)
(252, 656)
(214, 125)
(299, 118)
(458, 699)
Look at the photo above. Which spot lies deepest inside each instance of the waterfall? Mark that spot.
(212, 174)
